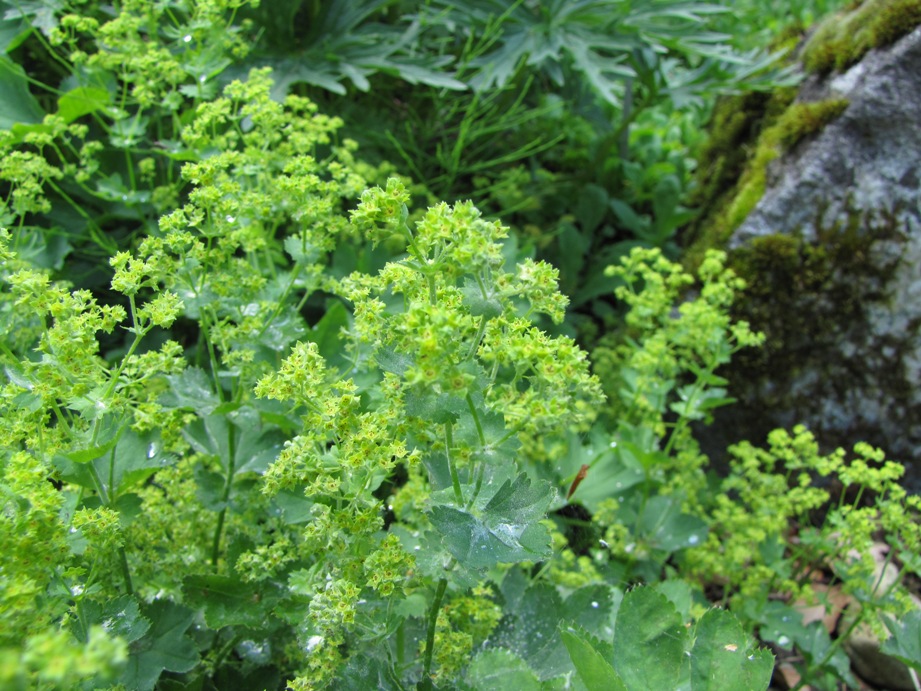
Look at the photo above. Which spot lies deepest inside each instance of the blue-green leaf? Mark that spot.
(725, 657)
(119, 617)
(650, 642)
(164, 647)
(594, 670)
(501, 669)
(17, 104)
(81, 101)
(501, 528)
(228, 601)
(905, 642)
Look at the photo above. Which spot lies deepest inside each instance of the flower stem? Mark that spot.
(430, 634)
(455, 479)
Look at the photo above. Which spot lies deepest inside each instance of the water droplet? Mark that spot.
(693, 540)
(313, 643)
(604, 544)
(613, 445)
(594, 605)
(152, 451)
(187, 38)
(417, 548)
(229, 219)
(203, 78)
(783, 641)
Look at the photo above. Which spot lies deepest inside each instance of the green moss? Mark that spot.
(780, 132)
(844, 38)
(806, 294)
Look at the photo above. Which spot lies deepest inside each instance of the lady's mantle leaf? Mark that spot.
(724, 657)
(119, 617)
(588, 655)
(230, 602)
(905, 643)
(650, 642)
(501, 669)
(18, 104)
(505, 531)
(164, 647)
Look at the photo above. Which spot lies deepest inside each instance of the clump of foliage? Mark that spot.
(268, 425)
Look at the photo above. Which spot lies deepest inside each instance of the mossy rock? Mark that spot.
(820, 207)
(845, 38)
(749, 131)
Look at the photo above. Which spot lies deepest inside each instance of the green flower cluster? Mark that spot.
(762, 537)
(453, 323)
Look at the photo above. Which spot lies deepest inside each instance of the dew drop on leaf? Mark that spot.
(312, 643)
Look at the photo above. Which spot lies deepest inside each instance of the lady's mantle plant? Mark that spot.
(448, 371)
(240, 500)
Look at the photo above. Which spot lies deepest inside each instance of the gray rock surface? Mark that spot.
(861, 379)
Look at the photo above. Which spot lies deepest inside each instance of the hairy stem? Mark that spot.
(455, 479)
(430, 634)
(225, 495)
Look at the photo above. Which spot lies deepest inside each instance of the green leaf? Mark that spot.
(228, 601)
(591, 207)
(210, 489)
(650, 642)
(81, 101)
(326, 333)
(780, 623)
(41, 14)
(137, 456)
(595, 671)
(13, 30)
(725, 657)
(391, 361)
(87, 455)
(119, 617)
(680, 594)
(665, 527)
(132, 459)
(293, 507)
(501, 669)
(164, 647)
(191, 389)
(477, 545)
(518, 502)
(593, 607)
(438, 408)
(530, 626)
(503, 531)
(488, 306)
(905, 642)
